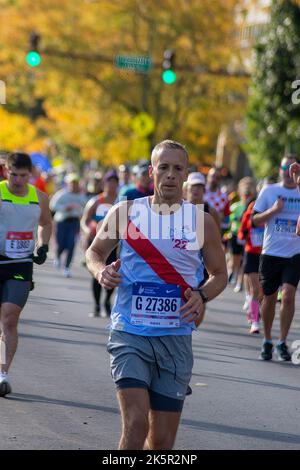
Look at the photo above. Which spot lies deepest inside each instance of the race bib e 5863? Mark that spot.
(19, 244)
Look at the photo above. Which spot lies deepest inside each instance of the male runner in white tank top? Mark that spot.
(158, 303)
(24, 211)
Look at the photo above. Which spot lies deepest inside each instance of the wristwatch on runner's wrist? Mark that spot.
(202, 294)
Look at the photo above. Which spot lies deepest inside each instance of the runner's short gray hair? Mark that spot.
(168, 144)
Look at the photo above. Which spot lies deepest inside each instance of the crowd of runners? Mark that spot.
(168, 239)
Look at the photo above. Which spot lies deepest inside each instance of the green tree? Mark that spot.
(273, 119)
(88, 103)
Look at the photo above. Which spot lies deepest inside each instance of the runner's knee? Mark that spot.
(269, 300)
(161, 439)
(9, 323)
(136, 421)
(288, 296)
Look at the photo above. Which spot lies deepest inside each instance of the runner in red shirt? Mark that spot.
(253, 236)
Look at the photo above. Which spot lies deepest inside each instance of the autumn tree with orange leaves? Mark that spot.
(83, 102)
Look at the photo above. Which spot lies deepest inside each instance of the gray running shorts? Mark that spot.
(164, 364)
(14, 292)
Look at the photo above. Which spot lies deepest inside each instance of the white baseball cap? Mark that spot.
(196, 178)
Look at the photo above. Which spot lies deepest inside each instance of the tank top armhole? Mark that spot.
(33, 194)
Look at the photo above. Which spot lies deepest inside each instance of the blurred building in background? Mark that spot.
(252, 23)
(252, 18)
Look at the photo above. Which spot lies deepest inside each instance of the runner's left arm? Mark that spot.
(88, 212)
(295, 174)
(214, 259)
(216, 217)
(45, 222)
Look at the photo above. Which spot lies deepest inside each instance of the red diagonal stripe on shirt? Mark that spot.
(146, 250)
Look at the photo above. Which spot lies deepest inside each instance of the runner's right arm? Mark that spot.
(260, 218)
(295, 173)
(263, 210)
(106, 240)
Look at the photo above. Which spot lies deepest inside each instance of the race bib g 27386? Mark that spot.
(155, 305)
(19, 244)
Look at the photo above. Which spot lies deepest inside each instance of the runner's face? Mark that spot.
(124, 176)
(18, 178)
(74, 187)
(144, 181)
(195, 193)
(213, 179)
(247, 190)
(111, 186)
(284, 171)
(169, 171)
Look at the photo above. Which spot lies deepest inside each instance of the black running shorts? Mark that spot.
(251, 263)
(235, 247)
(275, 271)
(15, 283)
(16, 271)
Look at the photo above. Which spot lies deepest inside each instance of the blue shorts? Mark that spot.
(160, 364)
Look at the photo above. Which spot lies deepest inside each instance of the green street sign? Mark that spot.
(136, 64)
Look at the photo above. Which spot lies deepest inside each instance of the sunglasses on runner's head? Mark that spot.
(285, 167)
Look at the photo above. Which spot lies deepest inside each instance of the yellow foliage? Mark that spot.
(18, 133)
(90, 104)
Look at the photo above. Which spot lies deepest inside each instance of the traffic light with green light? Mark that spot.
(33, 57)
(168, 75)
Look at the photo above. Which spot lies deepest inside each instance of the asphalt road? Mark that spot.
(63, 396)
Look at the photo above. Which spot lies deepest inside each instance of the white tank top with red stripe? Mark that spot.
(159, 260)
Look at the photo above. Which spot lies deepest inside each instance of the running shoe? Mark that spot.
(283, 353)
(246, 304)
(254, 328)
(67, 272)
(5, 387)
(266, 352)
(56, 263)
(96, 312)
(238, 288)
